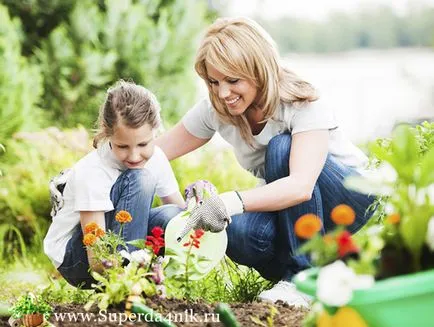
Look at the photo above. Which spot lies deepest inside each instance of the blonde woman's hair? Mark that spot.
(241, 48)
(131, 104)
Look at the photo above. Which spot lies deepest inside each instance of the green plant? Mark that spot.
(406, 181)
(24, 194)
(143, 273)
(242, 284)
(117, 283)
(182, 266)
(150, 42)
(20, 82)
(60, 292)
(28, 304)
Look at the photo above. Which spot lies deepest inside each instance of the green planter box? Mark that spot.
(401, 301)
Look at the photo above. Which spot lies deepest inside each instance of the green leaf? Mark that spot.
(139, 243)
(426, 176)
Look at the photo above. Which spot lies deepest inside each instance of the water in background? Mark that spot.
(370, 90)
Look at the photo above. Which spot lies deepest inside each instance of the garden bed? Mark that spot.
(247, 314)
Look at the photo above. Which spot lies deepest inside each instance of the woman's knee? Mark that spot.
(251, 243)
(277, 157)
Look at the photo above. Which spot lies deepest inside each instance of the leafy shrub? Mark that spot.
(20, 81)
(39, 18)
(31, 160)
(150, 42)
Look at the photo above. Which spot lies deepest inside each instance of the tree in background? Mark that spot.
(379, 28)
(94, 43)
(20, 81)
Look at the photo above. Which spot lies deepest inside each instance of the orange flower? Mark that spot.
(91, 227)
(123, 217)
(393, 219)
(99, 232)
(89, 239)
(343, 215)
(307, 226)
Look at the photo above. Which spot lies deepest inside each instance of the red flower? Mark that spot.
(157, 231)
(346, 244)
(156, 240)
(195, 238)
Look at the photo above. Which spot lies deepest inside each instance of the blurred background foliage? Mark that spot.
(370, 28)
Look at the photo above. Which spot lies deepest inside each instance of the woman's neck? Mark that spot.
(255, 116)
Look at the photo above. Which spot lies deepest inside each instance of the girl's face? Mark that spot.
(237, 94)
(132, 146)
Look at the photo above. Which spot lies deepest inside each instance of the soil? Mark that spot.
(182, 313)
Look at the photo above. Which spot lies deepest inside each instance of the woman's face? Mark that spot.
(132, 146)
(237, 94)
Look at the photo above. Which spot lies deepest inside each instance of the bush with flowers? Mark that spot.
(400, 242)
(123, 273)
(143, 272)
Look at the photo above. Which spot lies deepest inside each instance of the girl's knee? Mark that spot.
(161, 216)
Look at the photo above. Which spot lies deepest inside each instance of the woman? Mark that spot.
(280, 133)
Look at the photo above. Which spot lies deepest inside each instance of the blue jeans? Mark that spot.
(266, 241)
(134, 192)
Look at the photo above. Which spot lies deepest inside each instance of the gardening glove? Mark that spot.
(214, 213)
(199, 191)
(57, 185)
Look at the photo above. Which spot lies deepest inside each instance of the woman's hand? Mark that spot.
(213, 213)
(199, 190)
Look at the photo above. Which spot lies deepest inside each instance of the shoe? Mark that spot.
(285, 291)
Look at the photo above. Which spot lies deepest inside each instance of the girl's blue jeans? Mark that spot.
(134, 192)
(266, 240)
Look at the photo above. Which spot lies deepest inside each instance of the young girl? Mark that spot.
(281, 134)
(123, 173)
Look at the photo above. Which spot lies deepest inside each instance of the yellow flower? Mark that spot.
(123, 217)
(307, 226)
(344, 317)
(343, 215)
(324, 320)
(347, 316)
(393, 219)
(89, 239)
(91, 227)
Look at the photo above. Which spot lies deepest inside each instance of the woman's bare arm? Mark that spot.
(308, 155)
(178, 141)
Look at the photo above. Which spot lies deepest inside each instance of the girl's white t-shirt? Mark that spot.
(88, 189)
(202, 121)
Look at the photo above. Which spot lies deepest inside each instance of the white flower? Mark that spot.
(140, 256)
(125, 254)
(336, 282)
(430, 234)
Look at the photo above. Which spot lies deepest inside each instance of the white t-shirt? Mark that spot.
(202, 121)
(88, 189)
